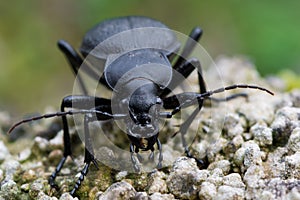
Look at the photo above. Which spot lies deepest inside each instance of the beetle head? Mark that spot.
(144, 107)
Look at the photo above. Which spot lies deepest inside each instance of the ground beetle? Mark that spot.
(145, 92)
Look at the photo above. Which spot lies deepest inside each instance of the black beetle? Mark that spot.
(143, 72)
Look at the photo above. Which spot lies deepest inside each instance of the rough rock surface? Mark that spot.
(250, 148)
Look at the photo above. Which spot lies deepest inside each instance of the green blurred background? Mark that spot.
(34, 74)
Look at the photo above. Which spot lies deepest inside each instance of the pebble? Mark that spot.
(4, 153)
(286, 120)
(185, 178)
(252, 176)
(224, 165)
(11, 168)
(275, 164)
(262, 134)
(41, 143)
(43, 196)
(214, 149)
(295, 97)
(1, 175)
(249, 154)
(294, 194)
(216, 177)
(258, 110)
(141, 196)
(293, 165)
(157, 183)
(294, 140)
(121, 175)
(9, 190)
(228, 193)
(119, 191)
(35, 188)
(158, 196)
(208, 191)
(24, 155)
(233, 125)
(234, 180)
(67, 196)
(57, 141)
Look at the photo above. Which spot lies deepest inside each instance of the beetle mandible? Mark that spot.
(130, 69)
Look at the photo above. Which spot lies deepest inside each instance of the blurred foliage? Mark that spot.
(35, 74)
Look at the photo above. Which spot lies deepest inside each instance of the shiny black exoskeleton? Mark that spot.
(132, 56)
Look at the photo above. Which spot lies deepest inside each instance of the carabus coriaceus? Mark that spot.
(137, 68)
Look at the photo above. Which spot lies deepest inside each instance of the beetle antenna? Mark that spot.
(232, 87)
(201, 96)
(59, 114)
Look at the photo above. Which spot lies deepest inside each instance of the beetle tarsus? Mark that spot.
(83, 173)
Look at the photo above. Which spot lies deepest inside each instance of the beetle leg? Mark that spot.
(188, 47)
(151, 155)
(76, 61)
(182, 73)
(79, 102)
(185, 70)
(160, 157)
(139, 157)
(89, 153)
(133, 159)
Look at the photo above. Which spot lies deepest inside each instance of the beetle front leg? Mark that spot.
(133, 159)
(79, 102)
(160, 156)
(89, 153)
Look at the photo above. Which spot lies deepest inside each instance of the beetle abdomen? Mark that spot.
(154, 35)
